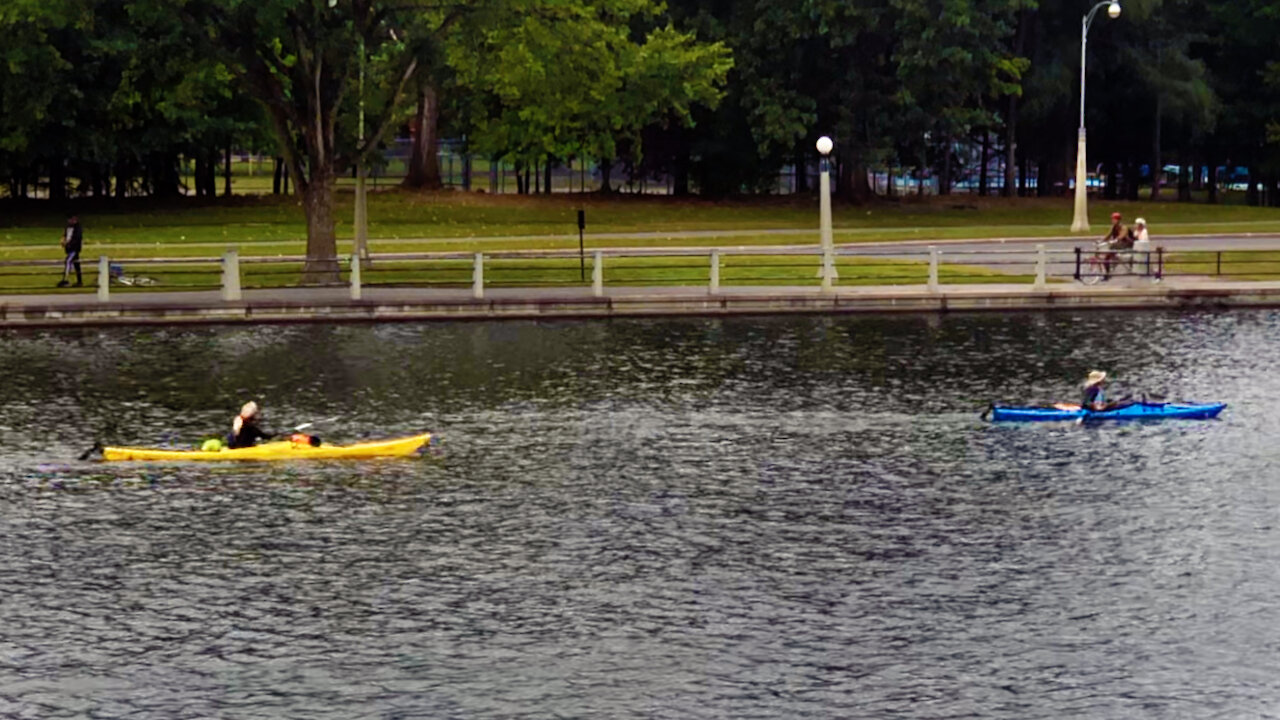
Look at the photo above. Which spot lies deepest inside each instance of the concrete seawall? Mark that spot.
(413, 304)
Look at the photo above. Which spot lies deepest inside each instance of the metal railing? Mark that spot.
(714, 269)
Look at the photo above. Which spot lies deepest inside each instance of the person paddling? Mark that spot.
(245, 430)
(1095, 391)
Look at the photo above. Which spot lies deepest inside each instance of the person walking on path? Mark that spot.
(72, 240)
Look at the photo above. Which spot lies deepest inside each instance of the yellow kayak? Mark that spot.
(279, 450)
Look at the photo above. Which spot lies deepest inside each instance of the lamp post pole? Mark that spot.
(828, 271)
(362, 208)
(1080, 221)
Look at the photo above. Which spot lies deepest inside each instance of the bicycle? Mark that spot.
(117, 275)
(1096, 267)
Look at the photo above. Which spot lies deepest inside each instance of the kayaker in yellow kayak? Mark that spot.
(245, 431)
(1095, 395)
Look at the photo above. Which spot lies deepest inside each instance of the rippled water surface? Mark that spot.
(776, 518)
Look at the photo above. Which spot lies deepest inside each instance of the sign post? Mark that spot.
(582, 254)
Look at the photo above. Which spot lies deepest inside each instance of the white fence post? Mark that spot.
(355, 275)
(231, 275)
(1041, 264)
(597, 274)
(104, 279)
(715, 272)
(828, 269)
(933, 268)
(477, 277)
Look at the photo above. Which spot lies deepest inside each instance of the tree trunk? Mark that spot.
(122, 180)
(1184, 182)
(1157, 164)
(1251, 194)
(424, 162)
(197, 178)
(164, 175)
(1131, 180)
(606, 171)
(226, 188)
(546, 177)
(982, 171)
(277, 179)
(680, 176)
(944, 182)
(57, 179)
(1213, 182)
(322, 244)
(852, 174)
(1013, 163)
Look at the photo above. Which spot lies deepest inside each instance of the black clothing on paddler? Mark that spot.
(249, 434)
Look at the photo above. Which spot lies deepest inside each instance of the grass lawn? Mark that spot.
(266, 225)
(1227, 265)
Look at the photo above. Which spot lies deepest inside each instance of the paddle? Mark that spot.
(97, 448)
(306, 425)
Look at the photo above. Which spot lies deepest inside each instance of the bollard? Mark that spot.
(230, 276)
(477, 277)
(104, 279)
(597, 273)
(355, 276)
(825, 270)
(1041, 264)
(714, 287)
(933, 268)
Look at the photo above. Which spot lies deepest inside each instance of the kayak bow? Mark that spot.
(279, 450)
(1128, 411)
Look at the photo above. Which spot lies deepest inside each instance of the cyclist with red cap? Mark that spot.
(1119, 238)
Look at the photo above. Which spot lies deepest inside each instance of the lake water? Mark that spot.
(746, 518)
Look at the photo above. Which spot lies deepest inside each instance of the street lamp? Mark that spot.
(1080, 223)
(361, 240)
(828, 271)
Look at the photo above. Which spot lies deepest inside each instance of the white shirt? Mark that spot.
(1143, 241)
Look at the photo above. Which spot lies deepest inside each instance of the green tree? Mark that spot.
(301, 61)
(560, 79)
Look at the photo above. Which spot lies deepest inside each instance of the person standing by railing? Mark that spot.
(72, 240)
(1142, 244)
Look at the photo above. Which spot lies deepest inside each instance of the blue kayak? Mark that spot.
(1126, 411)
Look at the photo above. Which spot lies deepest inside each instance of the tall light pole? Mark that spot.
(362, 207)
(1080, 223)
(828, 271)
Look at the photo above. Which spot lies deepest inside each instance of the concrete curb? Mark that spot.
(399, 305)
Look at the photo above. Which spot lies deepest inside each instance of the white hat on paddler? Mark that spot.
(249, 410)
(1140, 221)
(1095, 377)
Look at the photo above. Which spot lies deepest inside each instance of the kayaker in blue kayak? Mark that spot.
(245, 431)
(1095, 393)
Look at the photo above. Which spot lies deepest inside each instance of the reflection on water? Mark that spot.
(679, 518)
